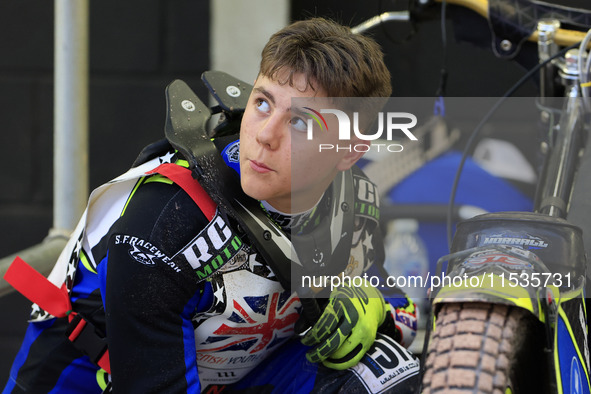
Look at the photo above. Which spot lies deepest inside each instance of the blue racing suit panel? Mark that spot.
(46, 361)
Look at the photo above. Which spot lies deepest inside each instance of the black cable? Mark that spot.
(443, 77)
(474, 134)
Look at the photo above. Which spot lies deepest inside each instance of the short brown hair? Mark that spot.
(342, 63)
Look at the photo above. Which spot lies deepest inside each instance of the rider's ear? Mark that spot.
(358, 149)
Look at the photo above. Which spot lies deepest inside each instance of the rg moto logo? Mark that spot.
(388, 122)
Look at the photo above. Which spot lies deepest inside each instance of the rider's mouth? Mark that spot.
(259, 167)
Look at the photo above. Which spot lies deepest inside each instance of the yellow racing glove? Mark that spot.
(347, 327)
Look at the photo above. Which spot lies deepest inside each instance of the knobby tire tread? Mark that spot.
(475, 348)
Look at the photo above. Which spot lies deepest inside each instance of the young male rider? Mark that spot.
(172, 325)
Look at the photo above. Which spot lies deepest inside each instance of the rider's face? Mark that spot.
(277, 161)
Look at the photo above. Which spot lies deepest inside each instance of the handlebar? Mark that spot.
(563, 37)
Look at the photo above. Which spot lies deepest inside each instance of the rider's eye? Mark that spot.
(299, 124)
(262, 105)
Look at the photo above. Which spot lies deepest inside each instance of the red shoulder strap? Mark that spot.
(30, 283)
(182, 176)
(54, 300)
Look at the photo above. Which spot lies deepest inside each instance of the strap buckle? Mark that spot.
(89, 340)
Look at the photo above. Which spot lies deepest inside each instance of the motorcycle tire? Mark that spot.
(485, 348)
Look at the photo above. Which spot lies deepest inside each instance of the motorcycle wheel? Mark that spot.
(485, 348)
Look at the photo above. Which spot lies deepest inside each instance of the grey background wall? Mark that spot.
(136, 48)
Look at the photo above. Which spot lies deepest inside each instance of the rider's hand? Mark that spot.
(347, 326)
